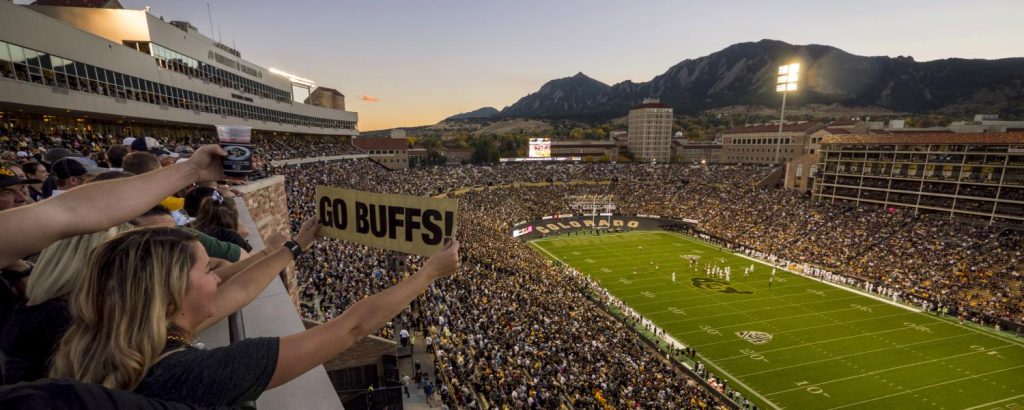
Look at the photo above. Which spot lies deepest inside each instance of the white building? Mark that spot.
(650, 131)
(128, 65)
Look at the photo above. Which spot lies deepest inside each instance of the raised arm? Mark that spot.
(302, 351)
(227, 270)
(257, 272)
(94, 207)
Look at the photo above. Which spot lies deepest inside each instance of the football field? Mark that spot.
(801, 344)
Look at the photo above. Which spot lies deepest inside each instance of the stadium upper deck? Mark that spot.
(965, 175)
(128, 64)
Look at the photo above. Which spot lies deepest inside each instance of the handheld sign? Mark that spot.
(411, 224)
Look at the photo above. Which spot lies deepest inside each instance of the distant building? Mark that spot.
(398, 133)
(389, 152)
(96, 4)
(848, 127)
(327, 98)
(585, 148)
(696, 152)
(756, 144)
(958, 175)
(990, 123)
(650, 131)
(455, 156)
(416, 156)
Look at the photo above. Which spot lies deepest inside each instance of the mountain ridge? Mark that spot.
(744, 74)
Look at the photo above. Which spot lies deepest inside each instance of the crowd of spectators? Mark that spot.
(18, 143)
(514, 330)
(954, 265)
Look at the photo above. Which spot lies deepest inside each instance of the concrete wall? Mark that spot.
(266, 201)
(803, 166)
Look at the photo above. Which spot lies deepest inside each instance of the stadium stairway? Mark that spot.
(772, 180)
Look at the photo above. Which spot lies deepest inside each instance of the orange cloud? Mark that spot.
(369, 98)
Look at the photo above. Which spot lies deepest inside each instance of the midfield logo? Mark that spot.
(720, 286)
(755, 337)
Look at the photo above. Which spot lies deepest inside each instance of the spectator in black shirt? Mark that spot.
(30, 335)
(147, 293)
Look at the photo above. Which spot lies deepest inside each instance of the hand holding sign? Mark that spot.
(307, 233)
(443, 263)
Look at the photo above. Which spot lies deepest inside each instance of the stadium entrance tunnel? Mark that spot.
(563, 224)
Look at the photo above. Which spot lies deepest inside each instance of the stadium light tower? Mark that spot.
(789, 74)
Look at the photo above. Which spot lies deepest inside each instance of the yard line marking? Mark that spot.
(736, 301)
(933, 385)
(684, 290)
(758, 310)
(827, 341)
(838, 323)
(736, 380)
(904, 366)
(994, 402)
(854, 354)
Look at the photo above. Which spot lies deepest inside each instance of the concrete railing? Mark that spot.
(273, 314)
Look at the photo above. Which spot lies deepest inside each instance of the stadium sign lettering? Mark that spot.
(410, 224)
(586, 223)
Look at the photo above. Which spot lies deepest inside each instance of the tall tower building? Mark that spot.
(650, 131)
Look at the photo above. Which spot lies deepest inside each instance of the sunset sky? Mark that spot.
(409, 63)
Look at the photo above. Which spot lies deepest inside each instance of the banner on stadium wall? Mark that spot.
(520, 232)
(410, 224)
(563, 216)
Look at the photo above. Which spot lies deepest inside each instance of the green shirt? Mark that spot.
(216, 248)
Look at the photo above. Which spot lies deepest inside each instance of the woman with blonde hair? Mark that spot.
(147, 293)
(31, 334)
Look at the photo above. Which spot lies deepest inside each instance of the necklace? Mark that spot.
(179, 339)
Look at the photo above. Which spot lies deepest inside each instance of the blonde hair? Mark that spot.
(120, 312)
(61, 264)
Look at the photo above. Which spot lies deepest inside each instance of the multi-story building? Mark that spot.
(127, 68)
(327, 98)
(959, 175)
(696, 152)
(392, 153)
(585, 148)
(650, 131)
(756, 144)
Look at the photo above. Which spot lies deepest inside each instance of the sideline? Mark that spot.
(937, 319)
(738, 381)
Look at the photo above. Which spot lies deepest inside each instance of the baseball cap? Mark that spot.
(150, 145)
(74, 167)
(8, 178)
(56, 154)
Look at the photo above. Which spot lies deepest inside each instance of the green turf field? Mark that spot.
(829, 347)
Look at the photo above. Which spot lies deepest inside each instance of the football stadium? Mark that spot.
(186, 228)
(785, 339)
